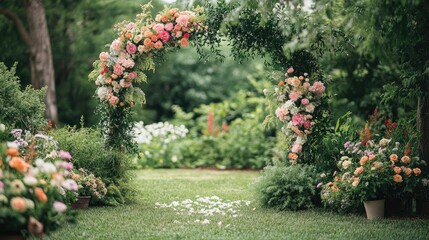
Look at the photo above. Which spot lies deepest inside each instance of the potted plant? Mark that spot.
(32, 194)
(89, 186)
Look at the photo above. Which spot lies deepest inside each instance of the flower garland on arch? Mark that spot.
(138, 43)
(296, 99)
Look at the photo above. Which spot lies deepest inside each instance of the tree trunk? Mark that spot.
(42, 67)
(423, 124)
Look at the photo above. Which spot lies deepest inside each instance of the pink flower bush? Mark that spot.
(298, 98)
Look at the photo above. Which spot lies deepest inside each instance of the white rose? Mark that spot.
(346, 164)
(30, 181)
(102, 92)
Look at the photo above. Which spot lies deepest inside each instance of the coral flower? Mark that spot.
(397, 178)
(281, 83)
(184, 42)
(405, 159)
(293, 156)
(40, 194)
(12, 152)
(158, 45)
(397, 170)
(148, 42)
(417, 171)
(358, 170)
(408, 171)
(363, 160)
(128, 35)
(371, 157)
(18, 204)
(394, 157)
(290, 70)
(355, 182)
(19, 164)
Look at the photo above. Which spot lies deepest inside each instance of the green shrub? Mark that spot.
(20, 109)
(87, 149)
(287, 187)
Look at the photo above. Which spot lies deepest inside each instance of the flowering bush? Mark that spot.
(373, 171)
(155, 141)
(89, 185)
(298, 97)
(32, 193)
(129, 55)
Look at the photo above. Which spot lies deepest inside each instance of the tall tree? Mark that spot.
(38, 44)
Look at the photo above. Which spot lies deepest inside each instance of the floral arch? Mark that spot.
(131, 54)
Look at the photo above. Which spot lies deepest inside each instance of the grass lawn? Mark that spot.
(145, 220)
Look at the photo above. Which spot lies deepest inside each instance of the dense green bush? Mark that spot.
(87, 149)
(288, 187)
(20, 108)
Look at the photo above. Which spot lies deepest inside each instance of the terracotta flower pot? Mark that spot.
(82, 202)
(374, 209)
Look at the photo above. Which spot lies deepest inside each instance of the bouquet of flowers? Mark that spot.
(89, 185)
(297, 97)
(32, 193)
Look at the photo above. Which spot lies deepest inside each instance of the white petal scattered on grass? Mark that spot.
(206, 207)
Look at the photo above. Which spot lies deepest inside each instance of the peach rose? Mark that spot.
(158, 45)
(18, 204)
(148, 33)
(408, 171)
(184, 42)
(18, 164)
(12, 152)
(355, 182)
(104, 56)
(394, 157)
(417, 171)
(397, 170)
(371, 157)
(148, 42)
(363, 160)
(405, 159)
(397, 178)
(358, 170)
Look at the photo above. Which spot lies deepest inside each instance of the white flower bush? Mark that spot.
(163, 131)
(205, 207)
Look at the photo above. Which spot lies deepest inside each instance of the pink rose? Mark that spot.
(118, 69)
(183, 20)
(131, 48)
(307, 124)
(125, 83)
(116, 45)
(164, 35)
(290, 70)
(301, 78)
(168, 26)
(281, 113)
(104, 56)
(296, 148)
(113, 100)
(309, 108)
(294, 96)
(295, 82)
(132, 75)
(59, 207)
(306, 85)
(305, 101)
(131, 25)
(298, 119)
(178, 34)
(318, 88)
(158, 27)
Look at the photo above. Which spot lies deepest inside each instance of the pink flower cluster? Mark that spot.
(298, 98)
(138, 41)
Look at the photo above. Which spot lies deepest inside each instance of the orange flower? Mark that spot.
(405, 159)
(148, 34)
(184, 42)
(281, 83)
(417, 171)
(371, 157)
(358, 170)
(397, 178)
(363, 160)
(154, 38)
(377, 165)
(329, 184)
(18, 204)
(19, 164)
(164, 18)
(394, 157)
(334, 188)
(158, 45)
(355, 182)
(128, 35)
(12, 152)
(293, 156)
(41, 196)
(148, 43)
(397, 170)
(408, 171)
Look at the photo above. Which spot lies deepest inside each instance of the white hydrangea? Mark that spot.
(163, 131)
(102, 92)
